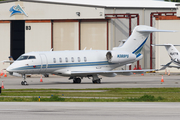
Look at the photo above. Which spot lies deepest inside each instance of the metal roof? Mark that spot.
(118, 3)
(109, 3)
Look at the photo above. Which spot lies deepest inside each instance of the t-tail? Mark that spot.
(173, 53)
(138, 38)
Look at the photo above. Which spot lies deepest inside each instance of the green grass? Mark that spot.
(120, 94)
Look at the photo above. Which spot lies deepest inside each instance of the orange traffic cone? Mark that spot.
(2, 73)
(134, 69)
(162, 80)
(5, 74)
(142, 74)
(2, 86)
(41, 79)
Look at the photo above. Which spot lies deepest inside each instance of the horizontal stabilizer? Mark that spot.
(156, 30)
(164, 45)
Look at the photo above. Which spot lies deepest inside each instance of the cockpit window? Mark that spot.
(31, 57)
(22, 58)
(26, 57)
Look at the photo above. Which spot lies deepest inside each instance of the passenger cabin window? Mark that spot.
(22, 58)
(31, 57)
(85, 59)
(66, 59)
(79, 60)
(72, 59)
(54, 60)
(60, 60)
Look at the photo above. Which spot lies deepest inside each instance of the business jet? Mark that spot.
(85, 63)
(173, 54)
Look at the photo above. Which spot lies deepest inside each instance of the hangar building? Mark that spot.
(39, 25)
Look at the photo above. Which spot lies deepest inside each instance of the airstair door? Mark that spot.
(44, 63)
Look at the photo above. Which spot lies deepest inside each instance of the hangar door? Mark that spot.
(17, 38)
(65, 35)
(4, 42)
(37, 35)
(94, 35)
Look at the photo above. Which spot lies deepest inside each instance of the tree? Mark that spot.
(172, 0)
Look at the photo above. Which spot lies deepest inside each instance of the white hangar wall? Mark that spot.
(161, 55)
(5, 43)
(44, 11)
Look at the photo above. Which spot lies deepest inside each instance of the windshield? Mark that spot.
(32, 57)
(22, 58)
(26, 57)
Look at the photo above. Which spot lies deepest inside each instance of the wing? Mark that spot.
(170, 66)
(7, 61)
(122, 72)
(167, 65)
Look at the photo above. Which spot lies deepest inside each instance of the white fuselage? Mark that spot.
(63, 62)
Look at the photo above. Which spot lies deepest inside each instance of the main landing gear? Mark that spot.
(24, 82)
(96, 79)
(77, 80)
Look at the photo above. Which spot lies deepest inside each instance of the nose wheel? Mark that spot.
(24, 82)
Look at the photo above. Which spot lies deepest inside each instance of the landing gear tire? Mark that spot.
(77, 80)
(23, 83)
(97, 81)
(46, 75)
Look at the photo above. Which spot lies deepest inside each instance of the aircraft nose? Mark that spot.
(9, 69)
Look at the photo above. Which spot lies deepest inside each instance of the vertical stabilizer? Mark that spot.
(138, 38)
(172, 51)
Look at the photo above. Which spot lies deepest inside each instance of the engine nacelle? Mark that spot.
(118, 57)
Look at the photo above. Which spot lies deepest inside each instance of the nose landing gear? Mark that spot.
(24, 82)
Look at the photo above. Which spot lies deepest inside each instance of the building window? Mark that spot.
(85, 59)
(79, 60)
(60, 60)
(66, 59)
(54, 60)
(72, 59)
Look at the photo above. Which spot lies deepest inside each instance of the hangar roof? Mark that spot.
(110, 3)
(119, 3)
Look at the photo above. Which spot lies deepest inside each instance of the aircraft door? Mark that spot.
(44, 63)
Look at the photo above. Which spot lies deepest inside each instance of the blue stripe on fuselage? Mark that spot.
(138, 50)
(65, 65)
(138, 55)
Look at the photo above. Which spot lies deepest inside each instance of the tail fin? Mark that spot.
(138, 38)
(172, 51)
